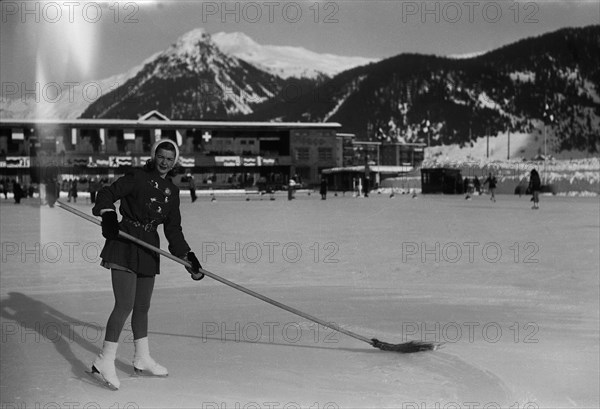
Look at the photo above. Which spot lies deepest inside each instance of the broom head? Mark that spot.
(406, 347)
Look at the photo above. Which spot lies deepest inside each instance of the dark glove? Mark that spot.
(195, 270)
(110, 225)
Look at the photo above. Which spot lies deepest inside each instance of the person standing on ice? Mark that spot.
(469, 187)
(73, 191)
(535, 185)
(477, 185)
(491, 182)
(323, 189)
(148, 199)
(192, 186)
(17, 191)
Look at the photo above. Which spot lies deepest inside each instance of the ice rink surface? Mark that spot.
(513, 292)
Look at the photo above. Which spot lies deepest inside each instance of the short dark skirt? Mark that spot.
(130, 255)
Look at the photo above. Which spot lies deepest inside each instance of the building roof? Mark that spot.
(374, 168)
(162, 124)
(154, 114)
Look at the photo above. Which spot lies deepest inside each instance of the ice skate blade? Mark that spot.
(95, 373)
(143, 372)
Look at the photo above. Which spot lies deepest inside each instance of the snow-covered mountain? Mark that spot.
(194, 54)
(467, 55)
(409, 97)
(65, 102)
(546, 89)
(192, 79)
(286, 61)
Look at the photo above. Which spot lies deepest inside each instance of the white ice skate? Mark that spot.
(143, 364)
(103, 367)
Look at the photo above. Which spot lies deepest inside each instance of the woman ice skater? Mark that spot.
(148, 199)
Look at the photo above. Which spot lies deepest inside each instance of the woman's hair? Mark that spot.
(166, 146)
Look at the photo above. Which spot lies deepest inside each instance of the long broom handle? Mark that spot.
(238, 287)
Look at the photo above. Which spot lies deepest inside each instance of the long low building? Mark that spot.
(216, 152)
(375, 161)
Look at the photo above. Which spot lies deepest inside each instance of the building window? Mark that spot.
(144, 135)
(302, 174)
(325, 154)
(302, 154)
(89, 141)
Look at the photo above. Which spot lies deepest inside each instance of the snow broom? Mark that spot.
(405, 347)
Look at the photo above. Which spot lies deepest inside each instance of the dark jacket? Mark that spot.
(17, 190)
(147, 200)
(535, 182)
(323, 189)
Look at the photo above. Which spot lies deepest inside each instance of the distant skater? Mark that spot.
(477, 184)
(469, 186)
(17, 192)
(291, 187)
(93, 189)
(73, 190)
(535, 185)
(323, 189)
(492, 182)
(192, 186)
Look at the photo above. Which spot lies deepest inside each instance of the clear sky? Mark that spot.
(77, 41)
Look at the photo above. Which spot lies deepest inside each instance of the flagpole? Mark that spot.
(508, 147)
(545, 151)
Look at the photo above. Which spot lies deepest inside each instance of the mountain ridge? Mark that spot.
(545, 88)
(294, 63)
(514, 88)
(286, 61)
